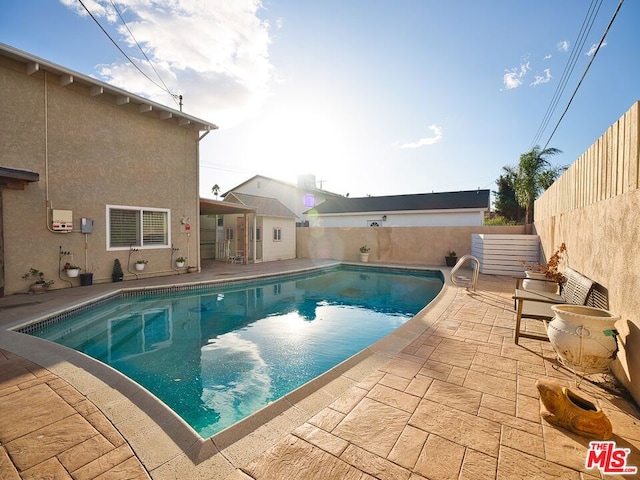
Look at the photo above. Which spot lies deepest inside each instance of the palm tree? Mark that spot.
(534, 175)
(215, 190)
(506, 205)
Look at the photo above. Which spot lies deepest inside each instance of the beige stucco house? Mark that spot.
(91, 173)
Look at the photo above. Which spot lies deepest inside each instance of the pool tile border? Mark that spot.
(40, 323)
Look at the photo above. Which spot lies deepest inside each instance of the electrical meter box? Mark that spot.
(62, 220)
(86, 225)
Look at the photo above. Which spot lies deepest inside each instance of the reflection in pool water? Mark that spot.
(217, 356)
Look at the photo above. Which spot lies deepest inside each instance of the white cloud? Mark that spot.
(594, 47)
(215, 53)
(435, 138)
(542, 79)
(547, 57)
(513, 78)
(563, 46)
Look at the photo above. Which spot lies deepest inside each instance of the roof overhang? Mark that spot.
(34, 64)
(15, 179)
(398, 212)
(218, 207)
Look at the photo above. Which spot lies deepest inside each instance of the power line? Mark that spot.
(143, 52)
(123, 52)
(578, 46)
(585, 71)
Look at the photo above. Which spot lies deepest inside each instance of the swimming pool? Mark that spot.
(218, 355)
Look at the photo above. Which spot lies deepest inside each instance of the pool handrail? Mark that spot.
(464, 281)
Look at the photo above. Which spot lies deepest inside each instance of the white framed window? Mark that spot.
(258, 236)
(277, 234)
(228, 233)
(139, 227)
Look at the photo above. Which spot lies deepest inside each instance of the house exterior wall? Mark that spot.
(283, 249)
(593, 208)
(441, 218)
(403, 245)
(89, 153)
(291, 196)
(267, 249)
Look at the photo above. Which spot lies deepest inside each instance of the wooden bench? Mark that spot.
(537, 305)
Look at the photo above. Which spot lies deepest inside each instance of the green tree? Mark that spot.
(215, 190)
(534, 175)
(506, 204)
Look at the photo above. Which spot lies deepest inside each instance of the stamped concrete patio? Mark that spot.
(446, 396)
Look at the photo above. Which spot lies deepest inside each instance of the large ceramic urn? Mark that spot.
(583, 337)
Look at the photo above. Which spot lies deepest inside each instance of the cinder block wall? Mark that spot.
(404, 245)
(593, 208)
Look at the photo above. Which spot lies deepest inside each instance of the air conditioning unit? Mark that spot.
(62, 220)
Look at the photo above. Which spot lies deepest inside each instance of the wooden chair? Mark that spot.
(537, 305)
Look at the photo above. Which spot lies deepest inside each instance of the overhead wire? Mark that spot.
(142, 50)
(123, 52)
(604, 35)
(578, 46)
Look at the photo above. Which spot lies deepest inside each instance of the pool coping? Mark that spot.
(163, 441)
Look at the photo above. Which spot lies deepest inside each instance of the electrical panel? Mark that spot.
(62, 220)
(86, 225)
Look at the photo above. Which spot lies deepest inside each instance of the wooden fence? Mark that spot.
(610, 167)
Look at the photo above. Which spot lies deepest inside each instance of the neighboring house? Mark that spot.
(466, 208)
(267, 234)
(297, 198)
(104, 174)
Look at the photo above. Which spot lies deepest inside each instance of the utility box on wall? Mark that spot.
(62, 220)
(86, 225)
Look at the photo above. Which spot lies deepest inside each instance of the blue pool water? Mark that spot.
(216, 356)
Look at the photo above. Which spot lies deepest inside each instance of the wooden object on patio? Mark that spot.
(537, 305)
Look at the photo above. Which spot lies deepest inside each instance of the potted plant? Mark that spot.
(39, 285)
(451, 258)
(140, 264)
(72, 271)
(364, 253)
(117, 274)
(180, 261)
(547, 277)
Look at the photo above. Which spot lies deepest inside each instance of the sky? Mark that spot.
(371, 97)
